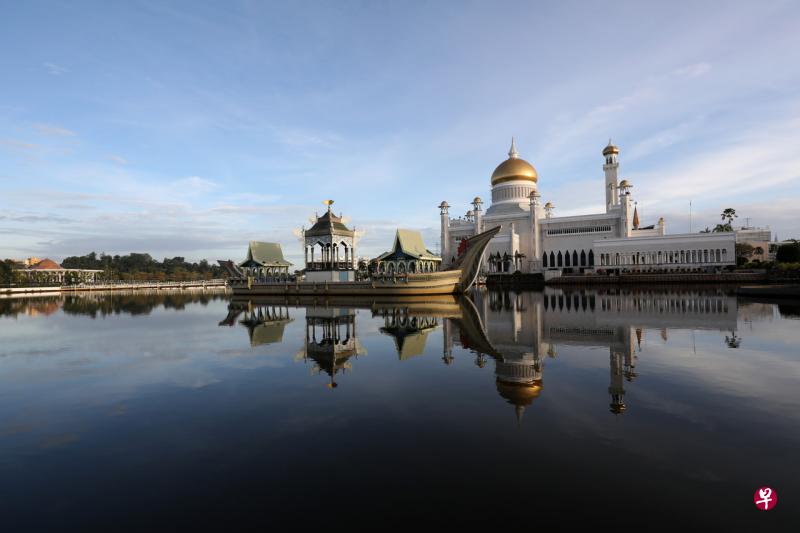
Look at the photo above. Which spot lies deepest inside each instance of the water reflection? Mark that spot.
(518, 331)
(330, 341)
(150, 387)
(265, 323)
(99, 304)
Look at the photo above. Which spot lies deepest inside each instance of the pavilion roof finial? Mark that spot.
(512, 152)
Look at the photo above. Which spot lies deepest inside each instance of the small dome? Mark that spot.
(514, 168)
(624, 183)
(477, 200)
(549, 205)
(610, 149)
(470, 213)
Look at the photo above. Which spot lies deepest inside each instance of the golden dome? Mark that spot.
(514, 168)
(610, 149)
(519, 393)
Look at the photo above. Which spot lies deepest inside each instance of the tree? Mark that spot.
(788, 253)
(720, 228)
(744, 250)
(729, 214)
(6, 272)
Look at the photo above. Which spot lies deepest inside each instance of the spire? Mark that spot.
(519, 410)
(512, 153)
(635, 218)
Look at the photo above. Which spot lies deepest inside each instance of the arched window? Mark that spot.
(552, 260)
(591, 258)
(560, 259)
(583, 258)
(566, 259)
(575, 258)
(544, 260)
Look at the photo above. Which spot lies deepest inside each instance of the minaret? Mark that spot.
(624, 200)
(535, 215)
(445, 236)
(478, 214)
(635, 218)
(610, 153)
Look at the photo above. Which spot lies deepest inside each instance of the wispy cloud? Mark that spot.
(118, 159)
(53, 131)
(693, 70)
(55, 70)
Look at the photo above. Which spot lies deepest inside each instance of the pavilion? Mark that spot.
(408, 255)
(265, 260)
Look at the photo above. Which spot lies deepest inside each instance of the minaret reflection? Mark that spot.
(330, 341)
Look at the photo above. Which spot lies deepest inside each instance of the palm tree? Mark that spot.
(729, 214)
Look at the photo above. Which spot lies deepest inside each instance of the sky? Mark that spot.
(189, 128)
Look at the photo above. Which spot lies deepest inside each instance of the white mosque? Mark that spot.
(533, 240)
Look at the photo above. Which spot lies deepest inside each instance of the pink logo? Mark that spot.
(765, 499)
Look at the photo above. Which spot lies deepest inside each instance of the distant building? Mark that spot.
(533, 240)
(758, 238)
(50, 272)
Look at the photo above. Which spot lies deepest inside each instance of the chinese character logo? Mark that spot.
(765, 499)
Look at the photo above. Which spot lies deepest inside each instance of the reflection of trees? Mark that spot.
(109, 303)
(44, 305)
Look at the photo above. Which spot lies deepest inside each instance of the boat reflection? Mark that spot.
(518, 331)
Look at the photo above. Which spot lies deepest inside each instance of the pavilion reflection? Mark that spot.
(265, 322)
(409, 331)
(330, 341)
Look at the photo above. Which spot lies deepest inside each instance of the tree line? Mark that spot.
(141, 267)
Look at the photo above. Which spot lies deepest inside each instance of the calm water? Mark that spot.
(643, 408)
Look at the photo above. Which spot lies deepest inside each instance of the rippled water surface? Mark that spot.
(150, 411)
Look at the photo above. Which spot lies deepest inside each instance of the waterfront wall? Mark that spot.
(115, 286)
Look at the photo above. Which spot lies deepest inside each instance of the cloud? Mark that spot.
(53, 131)
(692, 71)
(755, 162)
(118, 159)
(55, 70)
(22, 146)
(196, 185)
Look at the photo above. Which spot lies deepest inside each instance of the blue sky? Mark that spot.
(189, 128)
